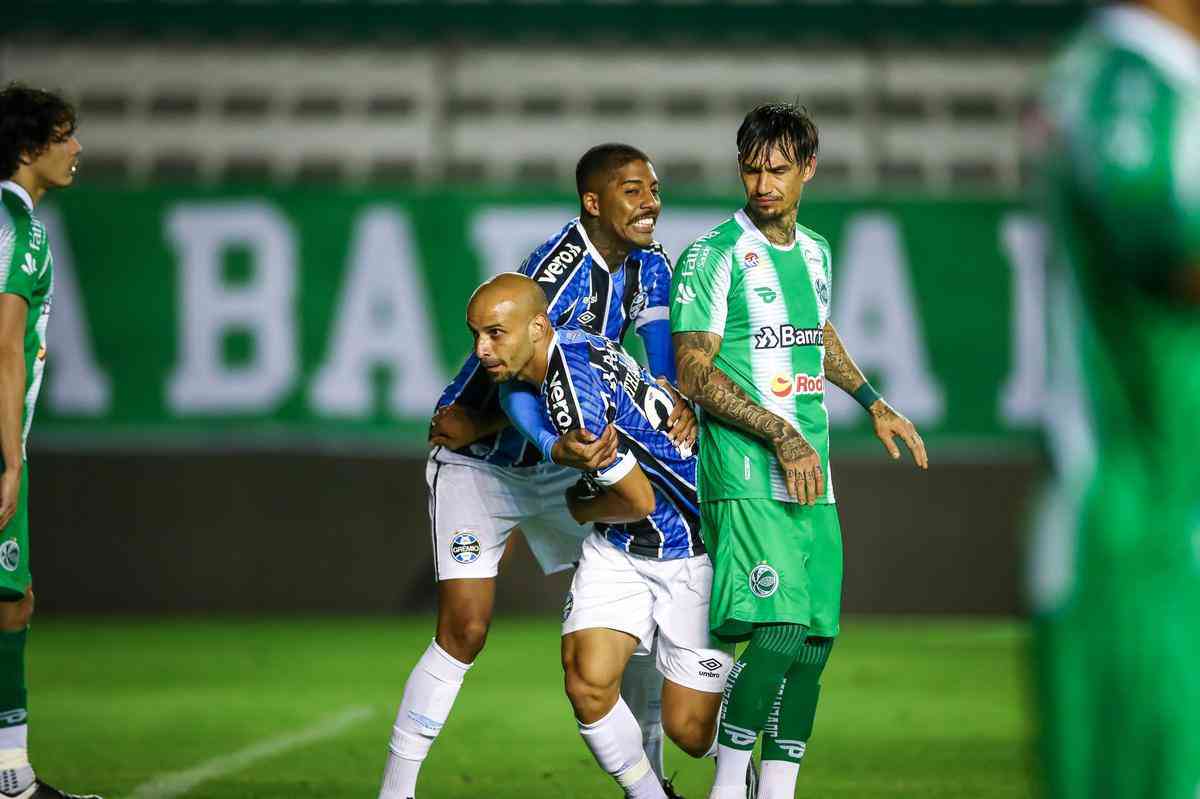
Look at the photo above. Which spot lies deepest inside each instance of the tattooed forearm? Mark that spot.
(712, 390)
(840, 368)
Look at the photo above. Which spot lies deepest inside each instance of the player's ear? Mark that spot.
(810, 169)
(590, 202)
(539, 327)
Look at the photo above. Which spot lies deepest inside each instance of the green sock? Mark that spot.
(790, 724)
(755, 679)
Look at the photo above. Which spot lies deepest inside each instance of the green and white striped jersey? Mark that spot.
(26, 269)
(769, 304)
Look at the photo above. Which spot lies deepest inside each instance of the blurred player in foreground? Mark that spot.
(754, 347)
(38, 152)
(644, 573)
(604, 272)
(1115, 578)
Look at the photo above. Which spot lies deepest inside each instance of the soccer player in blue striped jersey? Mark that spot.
(487, 476)
(644, 577)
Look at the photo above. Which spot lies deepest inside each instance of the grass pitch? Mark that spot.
(909, 708)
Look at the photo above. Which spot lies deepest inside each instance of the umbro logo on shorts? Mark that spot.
(710, 667)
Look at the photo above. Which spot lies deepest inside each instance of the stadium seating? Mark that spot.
(154, 111)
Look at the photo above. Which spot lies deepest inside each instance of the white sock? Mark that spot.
(778, 779)
(16, 775)
(616, 743)
(428, 696)
(730, 781)
(641, 688)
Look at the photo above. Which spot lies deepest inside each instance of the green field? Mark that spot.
(251, 709)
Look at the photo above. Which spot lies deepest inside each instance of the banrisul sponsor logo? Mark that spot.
(560, 408)
(563, 260)
(785, 385)
(764, 580)
(769, 337)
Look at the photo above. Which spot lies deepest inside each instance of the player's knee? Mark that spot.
(690, 732)
(464, 640)
(15, 616)
(591, 697)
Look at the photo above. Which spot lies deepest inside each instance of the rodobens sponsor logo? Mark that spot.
(750, 260)
(784, 385)
(769, 337)
(764, 580)
(10, 555)
(464, 547)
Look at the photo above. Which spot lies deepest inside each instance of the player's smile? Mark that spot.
(645, 223)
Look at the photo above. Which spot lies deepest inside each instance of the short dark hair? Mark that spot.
(604, 159)
(784, 124)
(30, 120)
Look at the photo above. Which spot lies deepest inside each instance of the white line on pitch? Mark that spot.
(169, 786)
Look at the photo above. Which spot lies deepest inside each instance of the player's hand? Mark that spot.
(889, 423)
(681, 424)
(581, 450)
(801, 466)
(453, 427)
(10, 493)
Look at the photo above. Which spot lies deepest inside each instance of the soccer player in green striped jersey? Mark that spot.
(1115, 577)
(38, 152)
(754, 347)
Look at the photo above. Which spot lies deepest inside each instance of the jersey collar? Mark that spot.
(17, 189)
(1154, 38)
(747, 225)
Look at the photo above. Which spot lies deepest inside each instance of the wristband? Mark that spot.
(545, 443)
(866, 395)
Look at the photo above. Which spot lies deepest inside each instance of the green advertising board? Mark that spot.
(310, 318)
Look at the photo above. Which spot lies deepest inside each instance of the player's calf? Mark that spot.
(15, 616)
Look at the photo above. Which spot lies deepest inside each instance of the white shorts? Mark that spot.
(474, 506)
(642, 596)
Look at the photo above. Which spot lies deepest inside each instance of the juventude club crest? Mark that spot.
(10, 555)
(764, 580)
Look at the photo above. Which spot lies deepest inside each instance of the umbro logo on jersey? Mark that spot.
(765, 294)
(686, 294)
(768, 337)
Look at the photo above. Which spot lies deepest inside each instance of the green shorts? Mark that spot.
(14, 548)
(772, 562)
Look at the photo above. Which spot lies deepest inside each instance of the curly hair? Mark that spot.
(601, 161)
(30, 121)
(785, 124)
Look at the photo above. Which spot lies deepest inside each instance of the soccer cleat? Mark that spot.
(668, 786)
(40, 790)
(752, 779)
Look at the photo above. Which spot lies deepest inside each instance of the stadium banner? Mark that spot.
(311, 318)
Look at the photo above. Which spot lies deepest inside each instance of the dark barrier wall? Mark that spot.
(303, 533)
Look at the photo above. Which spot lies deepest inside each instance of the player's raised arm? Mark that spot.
(841, 370)
(712, 390)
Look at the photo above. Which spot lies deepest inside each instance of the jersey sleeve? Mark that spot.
(18, 267)
(660, 355)
(1137, 168)
(576, 398)
(520, 403)
(700, 289)
(656, 280)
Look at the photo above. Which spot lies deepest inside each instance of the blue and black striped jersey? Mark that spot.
(591, 382)
(581, 290)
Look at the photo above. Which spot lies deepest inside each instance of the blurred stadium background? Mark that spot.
(282, 207)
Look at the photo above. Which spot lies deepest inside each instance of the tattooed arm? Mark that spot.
(841, 370)
(713, 391)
